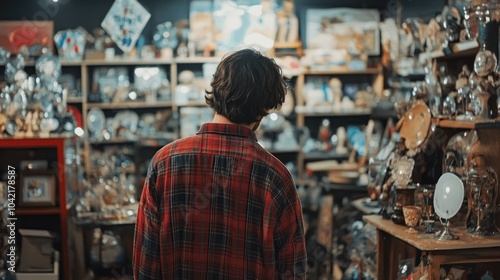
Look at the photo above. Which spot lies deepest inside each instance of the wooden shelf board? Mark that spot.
(71, 62)
(38, 211)
(74, 100)
(327, 112)
(128, 170)
(193, 104)
(283, 151)
(446, 123)
(36, 138)
(456, 124)
(198, 59)
(427, 242)
(324, 155)
(112, 141)
(127, 61)
(129, 105)
(155, 142)
(343, 71)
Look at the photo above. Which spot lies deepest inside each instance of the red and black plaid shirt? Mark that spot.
(219, 206)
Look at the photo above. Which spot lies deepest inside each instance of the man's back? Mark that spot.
(218, 206)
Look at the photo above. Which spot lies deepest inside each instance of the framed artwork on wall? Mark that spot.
(38, 189)
(343, 28)
(33, 34)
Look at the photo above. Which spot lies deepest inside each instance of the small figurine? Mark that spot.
(288, 24)
(341, 141)
(336, 88)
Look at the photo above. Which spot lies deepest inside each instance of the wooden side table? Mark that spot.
(395, 244)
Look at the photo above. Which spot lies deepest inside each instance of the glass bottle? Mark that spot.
(481, 186)
(485, 61)
(480, 105)
(434, 91)
(464, 95)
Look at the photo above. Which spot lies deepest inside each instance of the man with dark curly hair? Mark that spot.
(217, 205)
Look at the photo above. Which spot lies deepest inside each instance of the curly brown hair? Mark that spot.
(246, 86)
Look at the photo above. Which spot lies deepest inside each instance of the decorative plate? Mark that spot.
(96, 120)
(448, 195)
(127, 119)
(415, 127)
(48, 67)
(14, 64)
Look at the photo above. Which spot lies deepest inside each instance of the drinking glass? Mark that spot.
(412, 214)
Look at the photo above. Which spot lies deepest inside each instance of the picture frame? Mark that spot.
(31, 33)
(343, 28)
(38, 189)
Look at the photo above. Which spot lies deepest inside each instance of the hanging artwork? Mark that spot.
(343, 28)
(35, 35)
(241, 23)
(201, 25)
(70, 44)
(124, 23)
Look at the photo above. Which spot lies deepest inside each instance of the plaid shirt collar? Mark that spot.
(228, 129)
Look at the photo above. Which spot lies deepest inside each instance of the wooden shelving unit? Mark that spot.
(373, 74)
(52, 149)
(171, 67)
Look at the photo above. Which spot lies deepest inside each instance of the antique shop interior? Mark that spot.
(390, 127)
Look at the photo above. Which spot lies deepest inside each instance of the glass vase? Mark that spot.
(481, 187)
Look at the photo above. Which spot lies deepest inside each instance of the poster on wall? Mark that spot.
(124, 23)
(343, 28)
(201, 25)
(35, 35)
(244, 23)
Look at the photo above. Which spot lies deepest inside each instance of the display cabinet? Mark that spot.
(312, 115)
(53, 164)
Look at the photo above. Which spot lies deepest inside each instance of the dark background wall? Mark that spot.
(89, 13)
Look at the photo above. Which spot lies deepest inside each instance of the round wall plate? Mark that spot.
(416, 125)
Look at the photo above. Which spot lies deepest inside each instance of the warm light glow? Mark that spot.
(79, 131)
(132, 95)
(258, 39)
(255, 10)
(273, 116)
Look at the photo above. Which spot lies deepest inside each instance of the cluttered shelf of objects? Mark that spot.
(426, 242)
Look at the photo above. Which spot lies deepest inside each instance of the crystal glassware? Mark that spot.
(376, 174)
(480, 103)
(485, 61)
(481, 199)
(412, 214)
